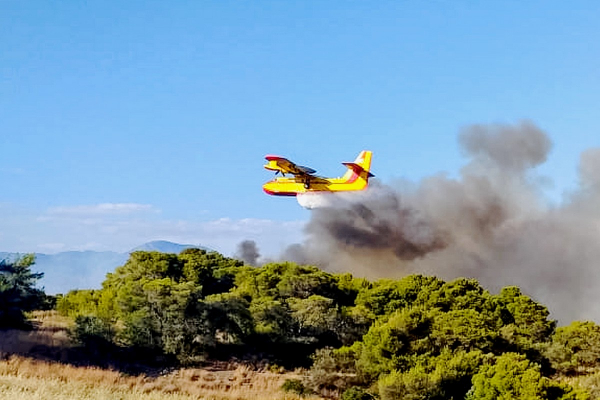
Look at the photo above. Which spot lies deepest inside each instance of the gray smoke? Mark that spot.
(247, 251)
(492, 224)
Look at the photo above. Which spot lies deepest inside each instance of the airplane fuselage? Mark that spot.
(293, 186)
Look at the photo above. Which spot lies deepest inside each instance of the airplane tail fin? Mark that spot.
(360, 169)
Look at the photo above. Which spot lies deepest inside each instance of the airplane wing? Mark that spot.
(285, 166)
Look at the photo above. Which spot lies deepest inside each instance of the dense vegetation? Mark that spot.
(414, 338)
(197, 305)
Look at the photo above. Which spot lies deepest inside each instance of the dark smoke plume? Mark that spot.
(247, 251)
(491, 224)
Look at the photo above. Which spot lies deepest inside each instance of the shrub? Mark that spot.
(335, 370)
(93, 333)
(295, 386)
(356, 393)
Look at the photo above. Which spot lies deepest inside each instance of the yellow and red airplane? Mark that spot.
(304, 179)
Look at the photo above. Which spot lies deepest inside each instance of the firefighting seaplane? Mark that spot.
(310, 188)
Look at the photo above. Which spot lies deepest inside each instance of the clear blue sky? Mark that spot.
(122, 122)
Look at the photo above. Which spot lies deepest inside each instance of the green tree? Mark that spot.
(162, 315)
(575, 346)
(525, 322)
(17, 290)
(93, 333)
(170, 303)
(419, 319)
(272, 319)
(464, 329)
(462, 294)
(315, 316)
(447, 376)
(87, 302)
(210, 270)
(302, 304)
(513, 376)
(386, 296)
(290, 280)
(228, 318)
(392, 344)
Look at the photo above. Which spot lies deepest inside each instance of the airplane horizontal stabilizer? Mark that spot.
(357, 168)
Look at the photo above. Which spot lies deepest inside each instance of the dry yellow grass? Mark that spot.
(22, 378)
(20, 388)
(49, 338)
(25, 378)
(50, 320)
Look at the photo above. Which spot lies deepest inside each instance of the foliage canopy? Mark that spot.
(418, 337)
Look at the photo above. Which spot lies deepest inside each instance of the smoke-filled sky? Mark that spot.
(491, 222)
(124, 122)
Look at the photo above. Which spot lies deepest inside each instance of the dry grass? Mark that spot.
(22, 378)
(49, 338)
(20, 388)
(50, 320)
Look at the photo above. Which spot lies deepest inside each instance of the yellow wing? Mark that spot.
(285, 166)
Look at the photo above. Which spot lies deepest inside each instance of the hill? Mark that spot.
(87, 269)
(167, 247)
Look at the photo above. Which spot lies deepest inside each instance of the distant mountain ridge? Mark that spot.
(166, 247)
(87, 269)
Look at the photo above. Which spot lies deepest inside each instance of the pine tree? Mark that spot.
(17, 290)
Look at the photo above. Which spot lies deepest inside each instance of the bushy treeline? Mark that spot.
(414, 338)
(197, 304)
(454, 340)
